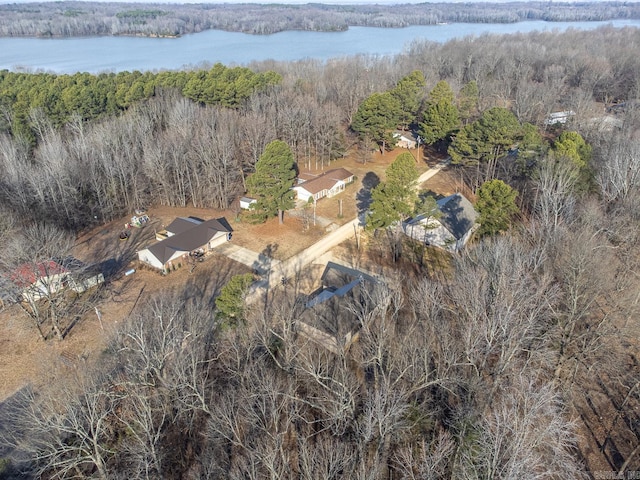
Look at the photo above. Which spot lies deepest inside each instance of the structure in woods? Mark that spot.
(327, 318)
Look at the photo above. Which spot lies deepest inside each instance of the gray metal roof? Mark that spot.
(458, 214)
(182, 224)
(338, 280)
(189, 240)
(346, 272)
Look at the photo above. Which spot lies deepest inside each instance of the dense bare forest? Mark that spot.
(86, 18)
(495, 367)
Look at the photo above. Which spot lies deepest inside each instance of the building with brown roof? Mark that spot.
(327, 184)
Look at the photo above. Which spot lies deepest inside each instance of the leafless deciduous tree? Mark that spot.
(33, 265)
(555, 195)
(503, 302)
(523, 435)
(619, 170)
(582, 322)
(68, 432)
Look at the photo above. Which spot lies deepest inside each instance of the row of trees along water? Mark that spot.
(84, 148)
(102, 18)
(59, 97)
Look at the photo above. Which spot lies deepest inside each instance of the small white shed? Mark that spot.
(245, 202)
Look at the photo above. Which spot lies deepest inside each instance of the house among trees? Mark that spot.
(559, 118)
(326, 318)
(454, 228)
(405, 139)
(186, 236)
(39, 280)
(34, 281)
(326, 184)
(82, 276)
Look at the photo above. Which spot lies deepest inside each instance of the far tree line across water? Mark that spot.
(516, 359)
(65, 19)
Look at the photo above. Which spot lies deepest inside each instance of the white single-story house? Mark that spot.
(189, 235)
(39, 280)
(405, 139)
(34, 281)
(245, 202)
(559, 117)
(452, 230)
(327, 184)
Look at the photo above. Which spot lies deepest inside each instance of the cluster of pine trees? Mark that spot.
(58, 98)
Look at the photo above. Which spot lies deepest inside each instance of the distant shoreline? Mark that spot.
(98, 54)
(163, 20)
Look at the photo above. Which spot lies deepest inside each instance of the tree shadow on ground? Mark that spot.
(12, 434)
(363, 197)
(207, 283)
(430, 193)
(262, 266)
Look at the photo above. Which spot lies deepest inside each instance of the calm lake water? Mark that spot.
(114, 54)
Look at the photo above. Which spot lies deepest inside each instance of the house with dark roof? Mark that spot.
(186, 236)
(326, 319)
(452, 230)
(179, 225)
(326, 184)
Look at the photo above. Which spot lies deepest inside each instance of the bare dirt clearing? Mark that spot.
(26, 359)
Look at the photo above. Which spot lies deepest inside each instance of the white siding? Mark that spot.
(44, 287)
(463, 241)
(218, 240)
(245, 203)
(336, 189)
(302, 194)
(438, 236)
(147, 257)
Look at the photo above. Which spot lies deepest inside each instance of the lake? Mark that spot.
(114, 54)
